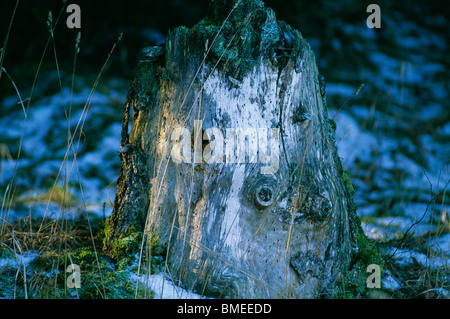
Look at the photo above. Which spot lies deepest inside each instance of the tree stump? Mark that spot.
(231, 160)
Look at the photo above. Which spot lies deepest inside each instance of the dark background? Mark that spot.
(145, 23)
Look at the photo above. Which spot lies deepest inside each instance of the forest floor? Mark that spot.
(388, 96)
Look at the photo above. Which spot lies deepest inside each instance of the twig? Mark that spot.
(349, 98)
(423, 216)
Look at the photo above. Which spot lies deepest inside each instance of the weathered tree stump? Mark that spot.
(231, 160)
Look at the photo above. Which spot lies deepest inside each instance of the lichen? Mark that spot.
(307, 264)
(148, 88)
(332, 124)
(352, 283)
(238, 41)
(123, 248)
(347, 182)
(100, 278)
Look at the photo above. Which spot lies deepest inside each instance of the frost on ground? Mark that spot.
(394, 141)
(164, 288)
(49, 172)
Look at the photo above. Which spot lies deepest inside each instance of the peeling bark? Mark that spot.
(276, 223)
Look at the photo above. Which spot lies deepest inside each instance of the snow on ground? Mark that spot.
(407, 256)
(90, 167)
(393, 138)
(164, 288)
(19, 260)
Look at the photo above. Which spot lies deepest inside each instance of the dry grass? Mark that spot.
(52, 243)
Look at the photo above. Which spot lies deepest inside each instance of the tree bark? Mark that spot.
(231, 160)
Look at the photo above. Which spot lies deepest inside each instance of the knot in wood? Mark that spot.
(264, 192)
(150, 54)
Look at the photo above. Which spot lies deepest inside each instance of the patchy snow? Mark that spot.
(164, 288)
(393, 227)
(340, 89)
(19, 260)
(44, 148)
(389, 282)
(351, 141)
(443, 244)
(407, 257)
